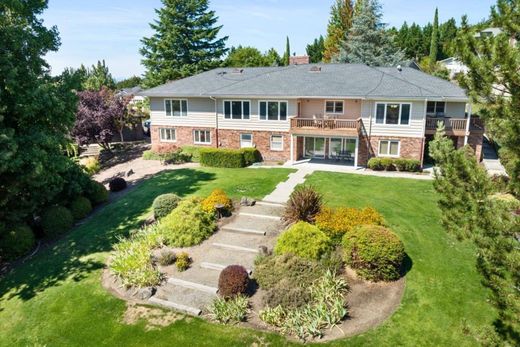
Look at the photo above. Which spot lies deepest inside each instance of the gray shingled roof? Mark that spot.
(334, 80)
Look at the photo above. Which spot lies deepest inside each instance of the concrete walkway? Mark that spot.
(491, 161)
(284, 189)
(238, 242)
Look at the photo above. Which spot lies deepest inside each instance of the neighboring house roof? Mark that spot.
(411, 63)
(130, 91)
(316, 80)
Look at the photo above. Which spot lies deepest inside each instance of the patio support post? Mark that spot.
(356, 154)
(292, 148)
(468, 125)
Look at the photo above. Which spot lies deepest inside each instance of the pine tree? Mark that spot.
(287, 54)
(339, 24)
(367, 41)
(315, 50)
(434, 45)
(98, 77)
(358, 5)
(447, 34)
(493, 80)
(185, 42)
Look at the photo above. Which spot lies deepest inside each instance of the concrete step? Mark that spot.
(192, 285)
(258, 215)
(243, 230)
(176, 306)
(268, 225)
(218, 267)
(268, 210)
(242, 240)
(269, 203)
(224, 257)
(197, 278)
(185, 299)
(236, 248)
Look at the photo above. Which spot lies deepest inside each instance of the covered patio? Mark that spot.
(330, 150)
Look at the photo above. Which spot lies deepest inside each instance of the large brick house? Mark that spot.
(349, 112)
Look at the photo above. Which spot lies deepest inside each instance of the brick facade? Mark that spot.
(226, 138)
(410, 147)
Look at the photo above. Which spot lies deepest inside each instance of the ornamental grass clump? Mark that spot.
(188, 225)
(375, 252)
(218, 198)
(183, 261)
(304, 204)
(340, 221)
(304, 240)
(229, 311)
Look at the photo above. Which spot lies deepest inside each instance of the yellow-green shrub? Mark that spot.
(304, 240)
(337, 222)
(217, 197)
(91, 165)
(188, 225)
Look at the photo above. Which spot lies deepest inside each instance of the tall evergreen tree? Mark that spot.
(98, 77)
(447, 34)
(315, 50)
(493, 80)
(434, 45)
(339, 24)
(287, 54)
(185, 42)
(36, 112)
(367, 41)
(358, 5)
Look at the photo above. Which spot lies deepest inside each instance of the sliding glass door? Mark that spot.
(342, 146)
(314, 147)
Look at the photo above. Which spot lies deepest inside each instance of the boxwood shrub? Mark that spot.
(389, 164)
(96, 193)
(80, 207)
(304, 240)
(15, 241)
(230, 158)
(164, 204)
(56, 220)
(117, 184)
(375, 252)
(188, 225)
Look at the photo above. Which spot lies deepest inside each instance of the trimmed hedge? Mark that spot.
(177, 156)
(389, 164)
(56, 220)
(193, 152)
(230, 158)
(304, 240)
(375, 252)
(15, 242)
(164, 204)
(96, 193)
(80, 207)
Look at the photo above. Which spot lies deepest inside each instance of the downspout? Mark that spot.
(369, 137)
(423, 144)
(466, 137)
(216, 121)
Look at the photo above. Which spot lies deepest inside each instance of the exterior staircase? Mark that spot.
(236, 243)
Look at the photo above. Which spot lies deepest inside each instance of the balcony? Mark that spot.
(454, 126)
(320, 126)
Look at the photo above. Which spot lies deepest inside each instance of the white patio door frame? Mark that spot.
(313, 139)
(343, 146)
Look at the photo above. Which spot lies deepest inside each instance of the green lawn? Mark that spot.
(56, 298)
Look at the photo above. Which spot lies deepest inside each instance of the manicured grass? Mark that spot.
(56, 299)
(443, 290)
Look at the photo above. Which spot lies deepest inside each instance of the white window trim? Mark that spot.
(389, 155)
(267, 115)
(434, 113)
(400, 113)
(231, 116)
(199, 142)
(165, 140)
(171, 105)
(334, 101)
(271, 143)
(252, 141)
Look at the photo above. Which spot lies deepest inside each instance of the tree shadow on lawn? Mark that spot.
(73, 256)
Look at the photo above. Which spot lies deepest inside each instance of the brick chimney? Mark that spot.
(299, 60)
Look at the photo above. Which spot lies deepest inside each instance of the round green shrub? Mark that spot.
(164, 204)
(233, 280)
(117, 184)
(56, 220)
(304, 240)
(96, 193)
(80, 207)
(16, 241)
(375, 252)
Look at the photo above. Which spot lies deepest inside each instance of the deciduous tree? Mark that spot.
(340, 23)
(185, 42)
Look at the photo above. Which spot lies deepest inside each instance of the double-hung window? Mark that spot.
(246, 140)
(273, 110)
(167, 134)
(176, 107)
(389, 148)
(334, 107)
(393, 113)
(236, 109)
(436, 108)
(202, 137)
(276, 143)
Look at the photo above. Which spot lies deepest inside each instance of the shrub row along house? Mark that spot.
(344, 112)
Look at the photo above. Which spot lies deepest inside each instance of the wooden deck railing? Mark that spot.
(454, 124)
(326, 124)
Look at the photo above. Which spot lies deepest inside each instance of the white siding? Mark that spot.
(456, 109)
(414, 129)
(254, 123)
(201, 113)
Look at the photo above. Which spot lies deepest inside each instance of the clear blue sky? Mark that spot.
(111, 30)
